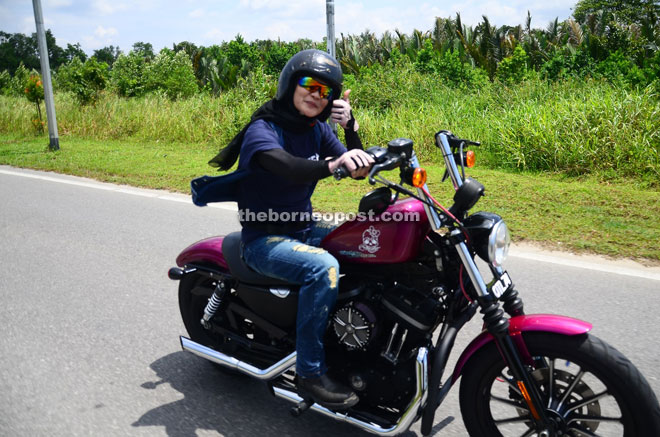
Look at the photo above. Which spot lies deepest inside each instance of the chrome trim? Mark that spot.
(406, 419)
(471, 267)
(450, 162)
(431, 213)
(225, 360)
(282, 293)
(492, 243)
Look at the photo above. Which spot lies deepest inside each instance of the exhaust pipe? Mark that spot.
(405, 421)
(225, 360)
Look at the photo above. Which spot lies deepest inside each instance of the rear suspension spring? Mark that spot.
(213, 304)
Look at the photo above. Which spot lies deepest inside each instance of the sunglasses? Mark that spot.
(312, 85)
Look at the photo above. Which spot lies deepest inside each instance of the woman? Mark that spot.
(285, 149)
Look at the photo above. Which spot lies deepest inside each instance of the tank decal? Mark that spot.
(394, 236)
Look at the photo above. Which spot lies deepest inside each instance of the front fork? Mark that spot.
(497, 325)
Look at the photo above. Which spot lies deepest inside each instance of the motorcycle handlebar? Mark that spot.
(384, 161)
(341, 173)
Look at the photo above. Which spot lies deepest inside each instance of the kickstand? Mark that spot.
(302, 406)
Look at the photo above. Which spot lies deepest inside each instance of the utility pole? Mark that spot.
(45, 75)
(330, 20)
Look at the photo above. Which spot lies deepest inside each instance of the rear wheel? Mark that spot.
(195, 290)
(588, 387)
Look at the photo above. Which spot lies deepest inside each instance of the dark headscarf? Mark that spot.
(281, 112)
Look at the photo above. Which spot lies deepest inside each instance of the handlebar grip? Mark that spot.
(341, 173)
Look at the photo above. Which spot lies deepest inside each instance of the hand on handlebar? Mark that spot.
(355, 162)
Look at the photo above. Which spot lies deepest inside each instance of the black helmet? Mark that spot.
(315, 63)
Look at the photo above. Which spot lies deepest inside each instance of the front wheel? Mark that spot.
(588, 387)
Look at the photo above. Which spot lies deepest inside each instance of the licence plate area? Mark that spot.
(500, 286)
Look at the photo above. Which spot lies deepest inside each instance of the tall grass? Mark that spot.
(574, 126)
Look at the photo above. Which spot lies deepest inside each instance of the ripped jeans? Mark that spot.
(302, 262)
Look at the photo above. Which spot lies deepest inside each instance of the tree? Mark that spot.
(628, 11)
(34, 91)
(144, 49)
(16, 48)
(107, 54)
(172, 73)
(128, 75)
(56, 56)
(74, 51)
(85, 80)
(189, 48)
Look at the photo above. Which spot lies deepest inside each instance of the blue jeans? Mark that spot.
(302, 262)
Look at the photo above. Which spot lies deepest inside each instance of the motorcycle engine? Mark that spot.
(354, 325)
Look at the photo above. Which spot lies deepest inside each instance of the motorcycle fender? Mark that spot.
(527, 323)
(208, 250)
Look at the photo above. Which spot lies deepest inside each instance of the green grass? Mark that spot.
(618, 218)
(575, 127)
(572, 164)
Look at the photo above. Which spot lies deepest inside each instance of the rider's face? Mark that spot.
(308, 104)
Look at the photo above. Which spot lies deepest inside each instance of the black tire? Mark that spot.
(485, 397)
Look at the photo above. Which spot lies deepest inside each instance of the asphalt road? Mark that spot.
(89, 321)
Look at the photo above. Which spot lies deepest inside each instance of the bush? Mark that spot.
(452, 69)
(427, 58)
(34, 89)
(238, 52)
(128, 75)
(172, 73)
(276, 56)
(84, 80)
(513, 69)
(5, 80)
(16, 84)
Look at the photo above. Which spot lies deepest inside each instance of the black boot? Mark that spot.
(324, 391)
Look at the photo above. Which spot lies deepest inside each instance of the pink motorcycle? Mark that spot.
(409, 284)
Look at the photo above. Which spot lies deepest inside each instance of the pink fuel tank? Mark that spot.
(394, 236)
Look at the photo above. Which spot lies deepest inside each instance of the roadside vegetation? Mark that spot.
(568, 116)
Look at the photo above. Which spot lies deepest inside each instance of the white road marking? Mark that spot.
(620, 267)
(88, 183)
(588, 262)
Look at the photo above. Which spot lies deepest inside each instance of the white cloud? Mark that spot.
(216, 36)
(197, 13)
(287, 8)
(108, 7)
(58, 3)
(282, 31)
(102, 32)
(206, 22)
(28, 26)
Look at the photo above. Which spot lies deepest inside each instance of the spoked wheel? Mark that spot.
(588, 388)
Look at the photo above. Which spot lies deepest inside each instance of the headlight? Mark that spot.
(498, 243)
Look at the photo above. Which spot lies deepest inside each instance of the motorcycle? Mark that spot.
(407, 288)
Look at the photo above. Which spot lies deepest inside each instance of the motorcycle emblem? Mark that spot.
(370, 240)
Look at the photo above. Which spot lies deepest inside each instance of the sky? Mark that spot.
(100, 23)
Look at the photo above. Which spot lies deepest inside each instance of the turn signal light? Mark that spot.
(470, 158)
(419, 177)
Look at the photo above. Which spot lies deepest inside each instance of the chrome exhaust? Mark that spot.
(406, 419)
(225, 360)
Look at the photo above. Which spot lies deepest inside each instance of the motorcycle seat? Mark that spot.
(231, 249)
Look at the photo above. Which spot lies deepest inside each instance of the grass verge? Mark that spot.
(618, 218)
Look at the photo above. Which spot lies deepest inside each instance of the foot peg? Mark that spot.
(302, 406)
